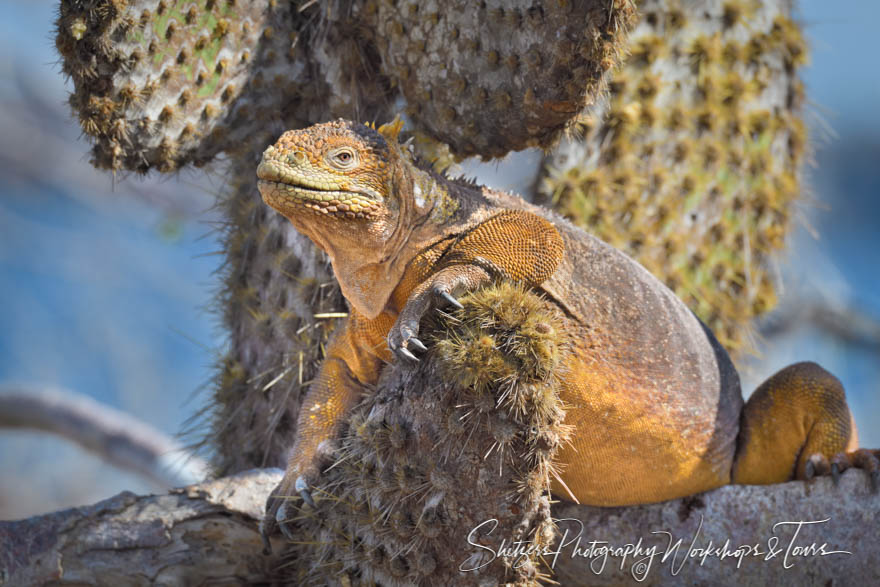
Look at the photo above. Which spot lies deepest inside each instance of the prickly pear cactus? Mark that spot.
(159, 84)
(162, 84)
(467, 65)
(482, 413)
(692, 166)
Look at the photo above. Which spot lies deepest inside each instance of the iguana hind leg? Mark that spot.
(797, 425)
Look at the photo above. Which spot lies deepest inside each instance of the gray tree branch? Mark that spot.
(207, 534)
(846, 322)
(115, 436)
(200, 534)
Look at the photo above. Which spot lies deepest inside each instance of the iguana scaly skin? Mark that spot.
(654, 400)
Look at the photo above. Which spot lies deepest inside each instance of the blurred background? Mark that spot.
(106, 283)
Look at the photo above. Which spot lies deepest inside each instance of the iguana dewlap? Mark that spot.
(654, 399)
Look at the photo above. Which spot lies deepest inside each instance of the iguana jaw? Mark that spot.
(289, 189)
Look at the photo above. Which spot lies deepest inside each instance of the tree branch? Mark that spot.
(115, 436)
(207, 533)
(846, 322)
(201, 533)
(747, 516)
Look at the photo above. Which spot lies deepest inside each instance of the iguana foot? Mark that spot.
(866, 459)
(797, 425)
(435, 293)
(402, 338)
(278, 507)
(402, 335)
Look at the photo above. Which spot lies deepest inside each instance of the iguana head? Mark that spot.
(355, 192)
(334, 171)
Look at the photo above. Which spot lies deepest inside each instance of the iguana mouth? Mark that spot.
(281, 188)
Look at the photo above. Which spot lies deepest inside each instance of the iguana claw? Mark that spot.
(302, 488)
(434, 294)
(277, 511)
(869, 461)
(419, 345)
(817, 465)
(835, 473)
(865, 459)
(264, 535)
(281, 518)
(405, 352)
(451, 300)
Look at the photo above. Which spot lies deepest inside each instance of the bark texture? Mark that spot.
(192, 536)
(206, 534)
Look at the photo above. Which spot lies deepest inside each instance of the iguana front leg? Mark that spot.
(441, 289)
(514, 244)
(353, 360)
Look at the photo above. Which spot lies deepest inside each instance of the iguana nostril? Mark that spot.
(296, 158)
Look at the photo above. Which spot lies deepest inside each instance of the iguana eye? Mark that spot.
(342, 158)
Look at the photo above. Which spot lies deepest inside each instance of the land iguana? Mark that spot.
(654, 399)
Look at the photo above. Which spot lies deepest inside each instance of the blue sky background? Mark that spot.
(105, 289)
